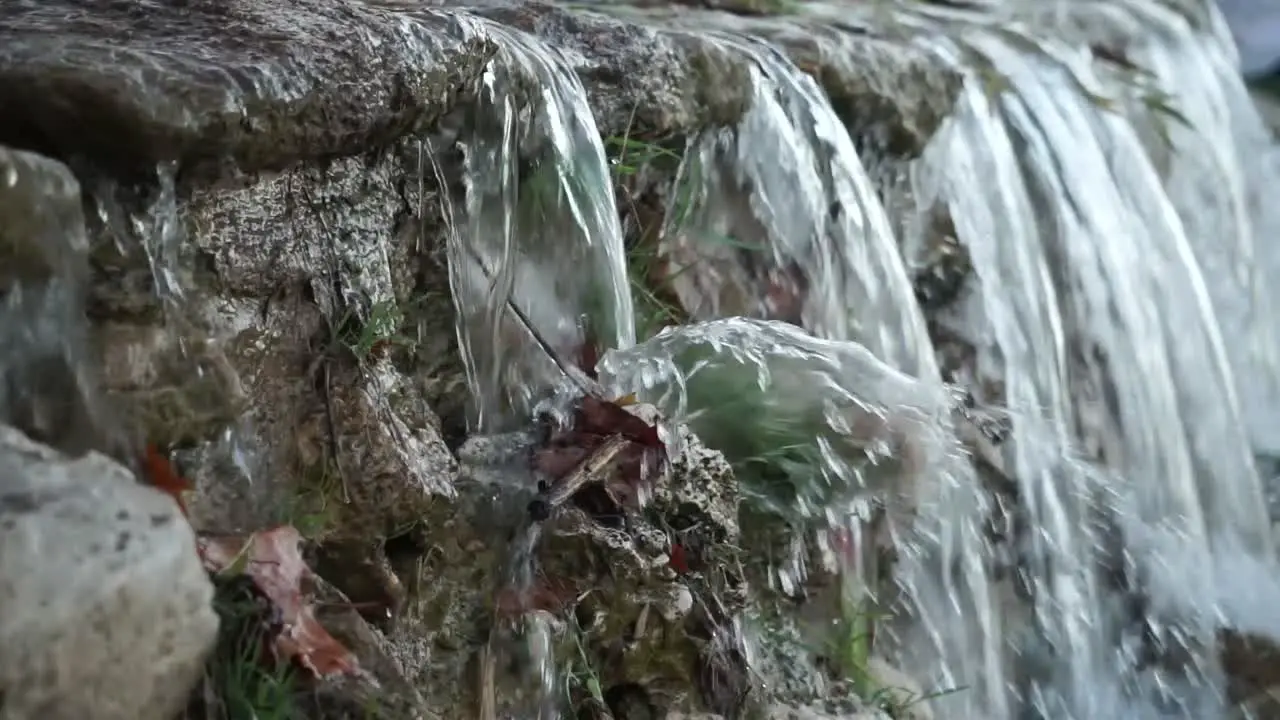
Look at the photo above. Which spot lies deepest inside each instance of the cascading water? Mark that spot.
(787, 185)
(1093, 311)
(1218, 170)
(1084, 269)
(539, 256)
(807, 204)
(538, 272)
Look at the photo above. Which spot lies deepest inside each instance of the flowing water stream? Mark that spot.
(539, 232)
(1118, 299)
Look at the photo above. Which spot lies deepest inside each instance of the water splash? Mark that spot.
(853, 423)
(777, 218)
(541, 233)
(1083, 269)
(814, 428)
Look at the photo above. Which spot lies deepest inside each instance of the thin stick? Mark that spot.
(573, 372)
(584, 473)
(488, 703)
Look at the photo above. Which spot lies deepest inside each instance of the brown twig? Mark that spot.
(487, 701)
(583, 474)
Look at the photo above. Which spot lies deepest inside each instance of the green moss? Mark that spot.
(316, 503)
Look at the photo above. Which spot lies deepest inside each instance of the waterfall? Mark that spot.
(1117, 301)
(1219, 171)
(787, 185)
(538, 255)
(1094, 312)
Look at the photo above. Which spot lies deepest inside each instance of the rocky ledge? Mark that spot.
(222, 261)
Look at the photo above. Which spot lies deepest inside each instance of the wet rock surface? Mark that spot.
(48, 385)
(638, 602)
(214, 86)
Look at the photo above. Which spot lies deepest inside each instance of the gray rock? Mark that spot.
(643, 80)
(211, 85)
(892, 94)
(613, 600)
(42, 236)
(105, 610)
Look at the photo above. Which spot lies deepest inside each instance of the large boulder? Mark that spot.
(105, 609)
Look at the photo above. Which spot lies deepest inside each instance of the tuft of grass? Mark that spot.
(897, 703)
(628, 157)
(580, 678)
(853, 644)
(242, 680)
(315, 503)
(378, 330)
(853, 653)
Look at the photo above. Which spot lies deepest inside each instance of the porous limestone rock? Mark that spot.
(1252, 662)
(380, 688)
(216, 86)
(1262, 706)
(606, 584)
(105, 610)
(269, 290)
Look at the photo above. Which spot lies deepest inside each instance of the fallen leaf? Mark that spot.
(595, 420)
(272, 560)
(597, 416)
(679, 560)
(552, 595)
(161, 475)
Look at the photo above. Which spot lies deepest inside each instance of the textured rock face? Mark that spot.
(639, 598)
(267, 292)
(106, 609)
(47, 386)
(212, 86)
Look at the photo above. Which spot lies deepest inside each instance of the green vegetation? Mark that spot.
(242, 681)
(579, 677)
(367, 334)
(315, 505)
(655, 304)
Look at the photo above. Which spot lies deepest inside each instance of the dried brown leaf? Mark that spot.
(596, 416)
(277, 569)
